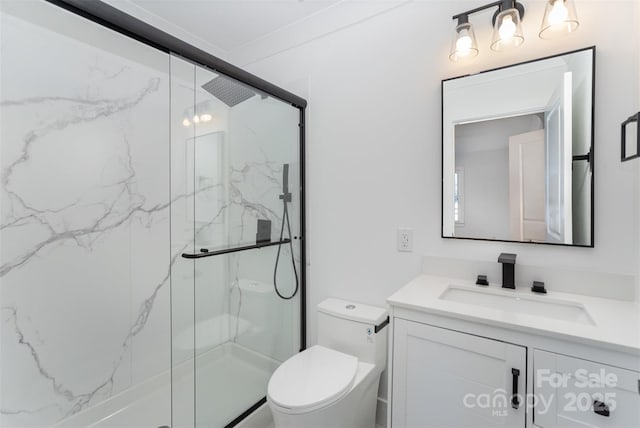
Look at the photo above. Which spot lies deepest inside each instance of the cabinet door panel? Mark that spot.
(443, 378)
(572, 386)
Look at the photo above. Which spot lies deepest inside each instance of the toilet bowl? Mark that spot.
(335, 383)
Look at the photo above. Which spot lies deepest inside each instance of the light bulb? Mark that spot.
(558, 13)
(464, 43)
(507, 28)
(206, 117)
(196, 119)
(186, 122)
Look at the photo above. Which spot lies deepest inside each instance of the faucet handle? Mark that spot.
(482, 280)
(538, 287)
(508, 258)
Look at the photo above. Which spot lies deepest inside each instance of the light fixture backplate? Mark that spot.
(518, 6)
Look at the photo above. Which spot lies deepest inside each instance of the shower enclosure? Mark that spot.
(142, 215)
(230, 328)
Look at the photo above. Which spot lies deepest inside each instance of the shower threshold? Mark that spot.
(149, 404)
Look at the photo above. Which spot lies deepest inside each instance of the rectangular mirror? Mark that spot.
(517, 152)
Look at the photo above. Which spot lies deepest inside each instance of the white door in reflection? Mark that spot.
(527, 186)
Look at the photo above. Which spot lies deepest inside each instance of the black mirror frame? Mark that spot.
(590, 157)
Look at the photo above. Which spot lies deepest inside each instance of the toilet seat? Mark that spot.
(312, 379)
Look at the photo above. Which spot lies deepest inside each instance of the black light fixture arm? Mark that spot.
(501, 5)
(479, 9)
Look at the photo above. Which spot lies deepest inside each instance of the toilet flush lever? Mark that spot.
(382, 325)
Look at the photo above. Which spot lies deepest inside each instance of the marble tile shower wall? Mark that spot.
(199, 297)
(233, 165)
(102, 189)
(264, 135)
(84, 217)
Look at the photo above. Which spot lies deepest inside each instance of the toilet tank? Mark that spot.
(349, 327)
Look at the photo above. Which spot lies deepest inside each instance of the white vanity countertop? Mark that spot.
(617, 323)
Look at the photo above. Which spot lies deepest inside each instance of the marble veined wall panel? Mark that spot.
(264, 135)
(84, 216)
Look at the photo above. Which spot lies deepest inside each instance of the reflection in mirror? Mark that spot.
(205, 179)
(517, 146)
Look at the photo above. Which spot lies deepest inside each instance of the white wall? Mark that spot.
(374, 142)
(486, 194)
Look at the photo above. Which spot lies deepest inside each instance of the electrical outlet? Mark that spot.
(405, 239)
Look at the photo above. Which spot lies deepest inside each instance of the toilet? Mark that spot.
(334, 383)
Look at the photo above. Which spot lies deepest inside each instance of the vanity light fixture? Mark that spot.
(560, 18)
(464, 44)
(507, 32)
(507, 27)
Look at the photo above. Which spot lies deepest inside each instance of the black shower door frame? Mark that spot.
(110, 17)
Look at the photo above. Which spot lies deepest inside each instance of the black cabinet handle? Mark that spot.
(515, 401)
(599, 408)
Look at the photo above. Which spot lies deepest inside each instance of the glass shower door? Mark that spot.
(231, 330)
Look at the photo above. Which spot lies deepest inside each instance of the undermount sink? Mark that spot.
(513, 301)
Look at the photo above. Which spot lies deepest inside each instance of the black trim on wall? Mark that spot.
(110, 17)
(591, 152)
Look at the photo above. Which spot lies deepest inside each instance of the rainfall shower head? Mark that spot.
(228, 91)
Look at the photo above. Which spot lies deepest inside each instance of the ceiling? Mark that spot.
(229, 24)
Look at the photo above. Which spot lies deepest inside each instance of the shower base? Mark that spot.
(231, 376)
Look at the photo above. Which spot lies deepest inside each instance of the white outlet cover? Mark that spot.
(405, 239)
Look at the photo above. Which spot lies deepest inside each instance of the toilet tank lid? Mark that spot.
(353, 311)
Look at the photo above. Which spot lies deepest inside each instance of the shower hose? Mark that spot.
(285, 216)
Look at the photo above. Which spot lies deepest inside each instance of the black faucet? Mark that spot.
(508, 261)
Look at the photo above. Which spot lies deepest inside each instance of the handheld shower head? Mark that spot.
(285, 178)
(286, 196)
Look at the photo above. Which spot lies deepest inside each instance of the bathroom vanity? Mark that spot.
(467, 355)
(464, 355)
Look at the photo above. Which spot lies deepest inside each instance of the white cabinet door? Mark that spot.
(443, 378)
(575, 393)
